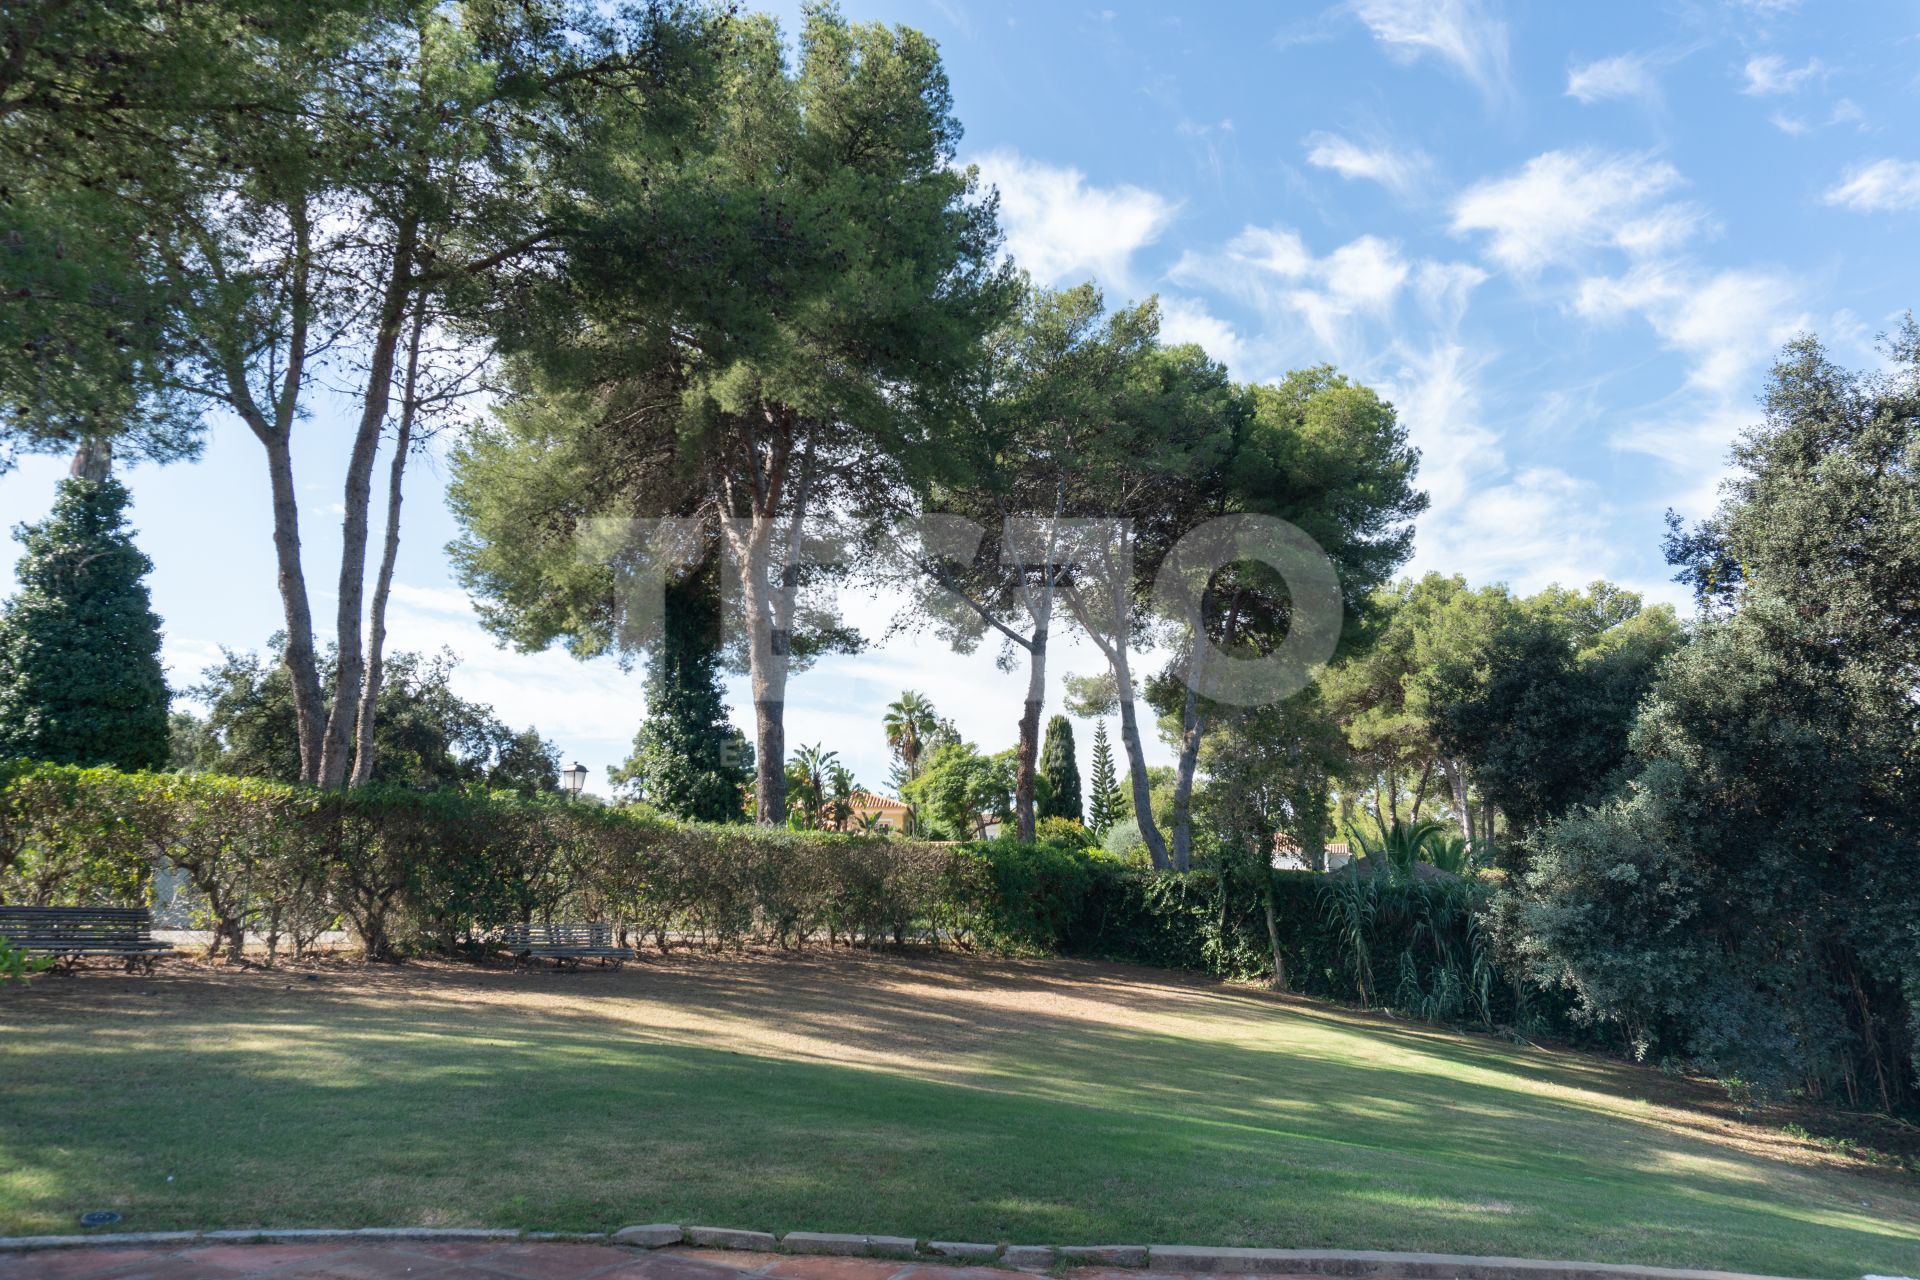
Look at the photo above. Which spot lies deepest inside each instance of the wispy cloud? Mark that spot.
(1884, 186)
(1398, 171)
(1564, 202)
(1061, 227)
(1625, 76)
(1727, 323)
(1460, 33)
(1769, 73)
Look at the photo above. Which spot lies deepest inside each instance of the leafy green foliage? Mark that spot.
(19, 967)
(688, 761)
(1104, 804)
(428, 736)
(80, 674)
(1749, 900)
(1059, 794)
(1540, 713)
(960, 791)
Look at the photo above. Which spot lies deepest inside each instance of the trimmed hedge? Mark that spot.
(412, 871)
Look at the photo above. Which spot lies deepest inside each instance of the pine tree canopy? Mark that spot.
(80, 674)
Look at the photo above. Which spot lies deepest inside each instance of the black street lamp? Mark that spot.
(575, 777)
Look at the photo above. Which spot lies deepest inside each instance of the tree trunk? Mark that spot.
(93, 460)
(769, 607)
(350, 668)
(1456, 776)
(1194, 723)
(363, 747)
(1194, 720)
(1273, 939)
(1029, 749)
(308, 703)
(1114, 648)
(1137, 763)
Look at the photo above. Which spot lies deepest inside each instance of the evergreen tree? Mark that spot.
(1105, 805)
(1061, 772)
(687, 759)
(80, 675)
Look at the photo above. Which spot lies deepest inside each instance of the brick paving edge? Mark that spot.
(1184, 1259)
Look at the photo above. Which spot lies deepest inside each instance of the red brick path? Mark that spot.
(480, 1260)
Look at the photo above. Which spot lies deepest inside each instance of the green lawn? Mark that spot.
(965, 1099)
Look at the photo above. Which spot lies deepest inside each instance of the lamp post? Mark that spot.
(575, 777)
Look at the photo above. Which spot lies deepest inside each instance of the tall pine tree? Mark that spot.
(688, 760)
(80, 675)
(1105, 806)
(1060, 769)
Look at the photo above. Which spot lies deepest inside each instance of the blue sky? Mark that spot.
(1564, 239)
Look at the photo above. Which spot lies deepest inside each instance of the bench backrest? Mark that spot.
(76, 923)
(558, 935)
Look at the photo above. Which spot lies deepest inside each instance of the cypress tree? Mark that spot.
(1106, 805)
(1060, 798)
(80, 674)
(688, 760)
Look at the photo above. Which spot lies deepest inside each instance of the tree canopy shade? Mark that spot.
(762, 328)
(1060, 384)
(293, 191)
(1510, 706)
(1749, 899)
(1540, 713)
(108, 110)
(1328, 456)
(80, 674)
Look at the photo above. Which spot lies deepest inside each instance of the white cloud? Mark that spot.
(1458, 32)
(1562, 202)
(1789, 125)
(1188, 320)
(1883, 186)
(1625, 76)
(1769, 73)
(1528, 526)
(1272, 268)
(1060, 227)
(1726, 323)
(1398, 171)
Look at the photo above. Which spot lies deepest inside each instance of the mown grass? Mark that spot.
(1060, 1103)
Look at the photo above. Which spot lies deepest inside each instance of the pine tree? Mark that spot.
(1106, 805)
(1060, 770)
(80, 674)
(688, 760)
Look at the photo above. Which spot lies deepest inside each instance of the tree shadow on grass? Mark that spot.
(1004, 1109)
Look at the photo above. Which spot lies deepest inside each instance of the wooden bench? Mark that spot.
(68, 933)
(564, 944)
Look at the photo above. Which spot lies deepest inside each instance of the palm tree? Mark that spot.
(910, 722)
(841, 786)
(808, 775)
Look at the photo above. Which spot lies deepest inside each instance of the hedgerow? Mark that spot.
(411, 872)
